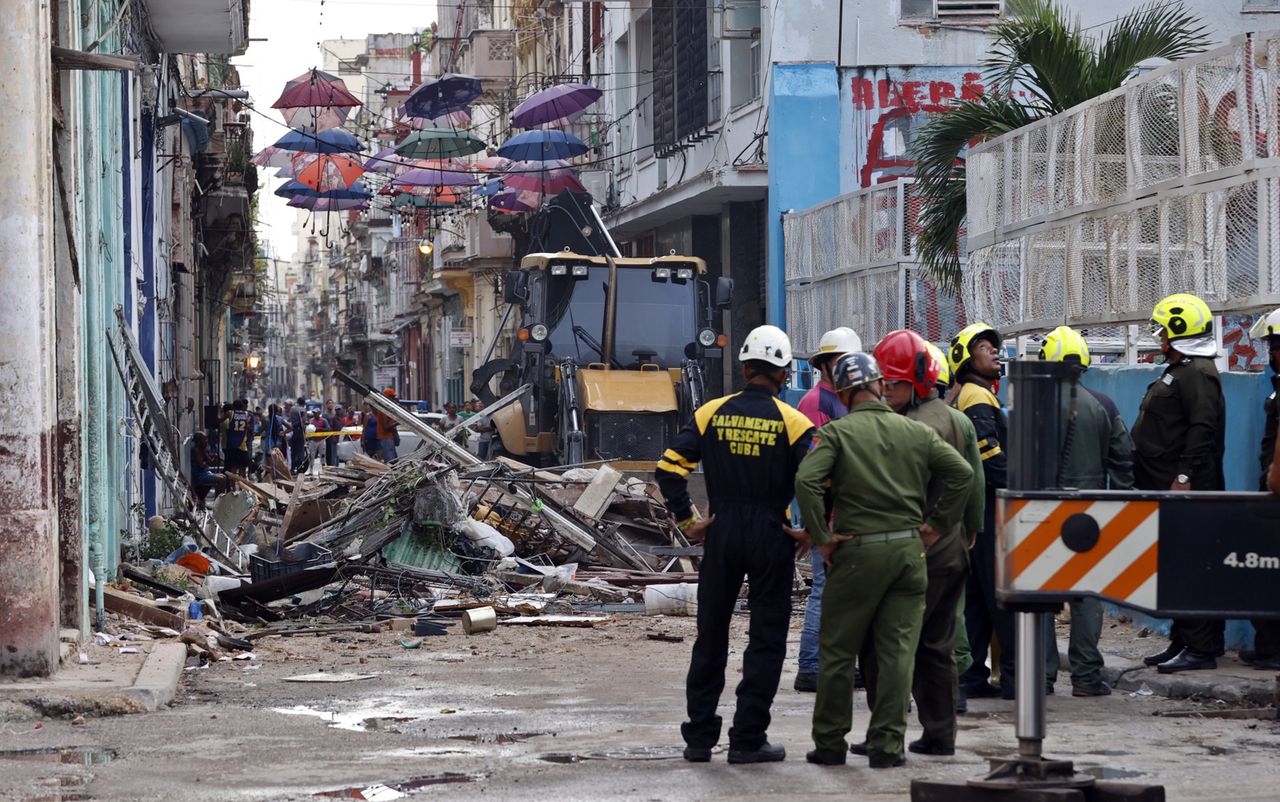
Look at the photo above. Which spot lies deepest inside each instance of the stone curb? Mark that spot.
(157, 680)
(1131, 675)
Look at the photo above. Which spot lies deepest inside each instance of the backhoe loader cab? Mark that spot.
(613, 348)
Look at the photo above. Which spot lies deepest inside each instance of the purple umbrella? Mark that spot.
(515, 201)
(557, 104)
(426, 177)
(386, 161)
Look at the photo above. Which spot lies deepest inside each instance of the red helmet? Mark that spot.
(904, 357)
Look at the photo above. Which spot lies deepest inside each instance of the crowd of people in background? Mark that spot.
(272, 441)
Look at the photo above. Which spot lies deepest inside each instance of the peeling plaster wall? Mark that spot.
(29, 611)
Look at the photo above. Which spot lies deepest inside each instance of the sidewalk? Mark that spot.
(110, 684)
(1232, 682)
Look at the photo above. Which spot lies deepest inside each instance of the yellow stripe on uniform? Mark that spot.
(670, 467)
(994, 451)
(671, 455)
(703, 414)
(796, 421)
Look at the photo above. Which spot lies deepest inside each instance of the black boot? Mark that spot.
(822, 757)
(806, 682)
(766, 753)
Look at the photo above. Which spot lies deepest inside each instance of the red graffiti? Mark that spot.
(898, 102)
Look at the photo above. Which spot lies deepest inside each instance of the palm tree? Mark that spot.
(1058, 64)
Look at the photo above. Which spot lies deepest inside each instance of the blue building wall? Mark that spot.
(804, 155)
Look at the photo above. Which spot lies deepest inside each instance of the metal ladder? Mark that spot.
(161, 440)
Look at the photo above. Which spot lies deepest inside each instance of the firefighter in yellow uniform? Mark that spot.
(974, 359)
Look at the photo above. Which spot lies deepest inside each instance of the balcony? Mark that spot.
(489, 56)
(199, 26)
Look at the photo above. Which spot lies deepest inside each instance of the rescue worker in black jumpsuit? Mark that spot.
(750, 445)
(1265, 654)
(1178, 441)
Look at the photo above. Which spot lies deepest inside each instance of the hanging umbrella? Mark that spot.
(329, 204)
(514, 201)
(549, 177)
(291, 189)
(325, 171)
(426, 198)
(271, 156)
(491, 164)
(424, 177)
(316, 119)
(554, 105)
(454, 119)
(439, 96)
(489, 188)
(385, 161)
(285, 172)
(335, 140)
(315, 89)
(437, 143)
(542, 146)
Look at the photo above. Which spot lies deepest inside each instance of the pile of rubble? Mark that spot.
(416, 544)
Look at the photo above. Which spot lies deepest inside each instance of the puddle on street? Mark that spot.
(363, 720)
(638, 753)
(70, 755)
(497, 738)
(1108, 773)
(560, 757)
(398, 790)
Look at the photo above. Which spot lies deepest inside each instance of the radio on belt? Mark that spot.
(1170, 554)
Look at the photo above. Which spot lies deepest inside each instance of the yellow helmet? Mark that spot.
(944, 373)
(1183, 315)
(1065, 344)
(959, 354)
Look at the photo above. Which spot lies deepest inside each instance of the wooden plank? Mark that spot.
(559, 620)
(66, 58)
(140, 609)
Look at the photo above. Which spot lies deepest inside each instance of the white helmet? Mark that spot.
(767, 344)
(836, 343)
(1267, 326)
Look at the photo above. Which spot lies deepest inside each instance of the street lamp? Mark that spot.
(426, 246)
(252, 361)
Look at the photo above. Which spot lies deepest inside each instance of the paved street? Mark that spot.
(564, 714)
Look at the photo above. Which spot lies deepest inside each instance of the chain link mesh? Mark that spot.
(1149, 190)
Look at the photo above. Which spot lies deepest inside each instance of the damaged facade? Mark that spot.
(132, 199)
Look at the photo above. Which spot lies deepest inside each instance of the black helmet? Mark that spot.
(855, 370)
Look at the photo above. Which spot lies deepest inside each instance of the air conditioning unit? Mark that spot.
(969, 8)
(598, 183)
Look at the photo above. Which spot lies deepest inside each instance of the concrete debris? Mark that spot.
(414, 547)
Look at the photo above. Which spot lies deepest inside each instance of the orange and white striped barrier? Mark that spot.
(1066, 545)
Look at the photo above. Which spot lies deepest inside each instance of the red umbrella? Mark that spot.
(316, 89)
(326, 171)
(545, 177)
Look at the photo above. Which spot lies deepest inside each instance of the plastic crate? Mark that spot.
(297, 558)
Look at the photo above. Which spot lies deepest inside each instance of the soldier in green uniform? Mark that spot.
(880, 465)
(911, 373)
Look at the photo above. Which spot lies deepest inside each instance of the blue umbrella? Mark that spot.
(542, 146)
(294, 189)
(440, 96)
(335, 140)
(488, 189)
